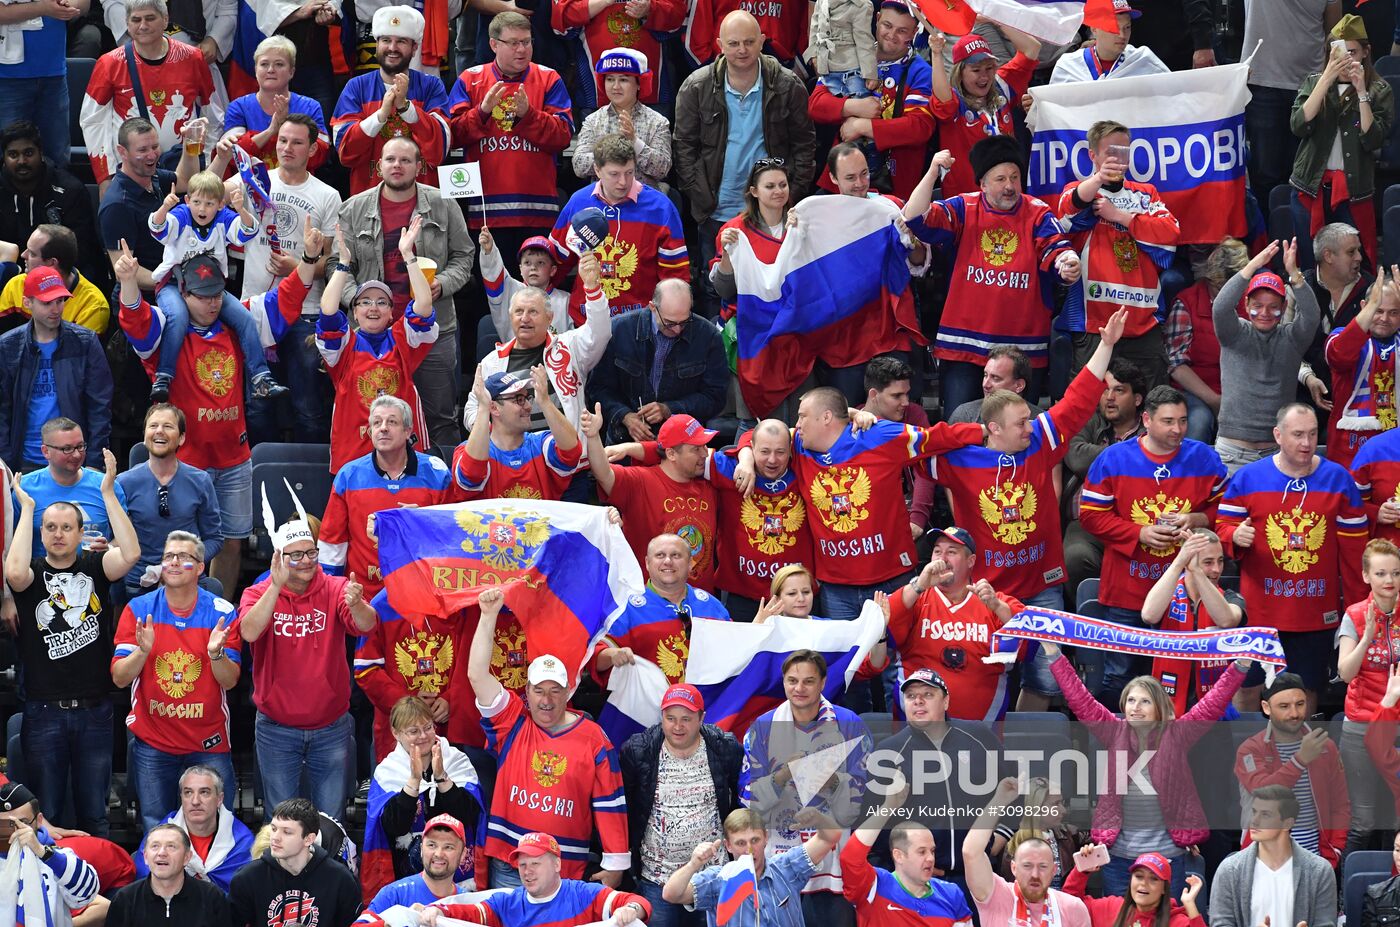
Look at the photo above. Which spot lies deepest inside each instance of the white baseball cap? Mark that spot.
(547, 668)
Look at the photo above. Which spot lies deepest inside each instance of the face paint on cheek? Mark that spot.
(187, 567)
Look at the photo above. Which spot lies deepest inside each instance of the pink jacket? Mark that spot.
(1168, 769)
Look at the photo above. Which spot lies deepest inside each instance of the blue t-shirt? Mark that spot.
(407, 892)
(43, 403)
(246, 112)
(192, 505)
(743, 148)
(45, 53)
(86, 494)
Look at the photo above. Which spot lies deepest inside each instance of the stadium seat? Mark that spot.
(1355, 885)
(1390, 232)
(1088, 589)
(311, 481)
(277, 452)
(1388, 66)
(79, 73)
(1280, 228)
(1052, 722)
(1278, 196)
(880, 724)
(1390, 198)
(137, 456)
(1045, 744)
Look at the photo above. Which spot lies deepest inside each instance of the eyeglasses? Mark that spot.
(69, 449)
(413, 733)
(163, 501)
(12, 824)
(516, 44)
(376, 303)
(297, 556)
(677, 326)
(179, 558)
(522, 398)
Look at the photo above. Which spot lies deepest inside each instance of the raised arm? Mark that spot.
(922, 196)
(565, 437)
(19, 555)
(422, 289)
(977, 866)
(485, 686)
(125, 550)
(1159, 597)
(592, 425)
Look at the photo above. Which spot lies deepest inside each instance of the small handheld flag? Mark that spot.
(738, 884)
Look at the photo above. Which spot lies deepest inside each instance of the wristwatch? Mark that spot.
(48, 851)
(343, 268)
(310, 259)
(217, 655)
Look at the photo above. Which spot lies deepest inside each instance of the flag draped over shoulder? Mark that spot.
(841, 274)
(738, 666)
(634, 700)
(567, 573)
(390, 777)
(1188, 141)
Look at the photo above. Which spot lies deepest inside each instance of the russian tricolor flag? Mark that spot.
(836, 291)
(738, 667)
(1053, 21)
(566, 572)
(738, 884)
(634, 700)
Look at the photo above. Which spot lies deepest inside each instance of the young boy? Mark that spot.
(203, 225)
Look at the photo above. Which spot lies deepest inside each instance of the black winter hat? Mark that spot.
(994, 150)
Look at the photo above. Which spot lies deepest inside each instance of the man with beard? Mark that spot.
(1030, 899)
(1363, 358)
(372, 223)
(391, 102)
(166, 896)
(1340, 285)
(36, 190)
(513, 117)
(1011, 253)
(444, 845)
(164, 494)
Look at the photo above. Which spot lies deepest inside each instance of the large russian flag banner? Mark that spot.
(738, 667)
(839, 275)
(567, 573)
(634, 700)
(1188, 141)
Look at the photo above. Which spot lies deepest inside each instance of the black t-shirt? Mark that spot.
(66, 630)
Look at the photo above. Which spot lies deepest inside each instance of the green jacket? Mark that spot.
(1359, 149)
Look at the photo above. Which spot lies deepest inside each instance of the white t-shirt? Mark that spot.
(1272, 894)
(287, 217)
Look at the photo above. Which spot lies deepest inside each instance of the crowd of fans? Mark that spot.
(271, 260)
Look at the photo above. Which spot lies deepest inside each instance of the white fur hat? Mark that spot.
(402, 21)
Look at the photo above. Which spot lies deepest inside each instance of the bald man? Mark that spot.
(662, 361)
(714, 156)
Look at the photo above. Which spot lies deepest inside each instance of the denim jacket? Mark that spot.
(82, 382)
(694, 380)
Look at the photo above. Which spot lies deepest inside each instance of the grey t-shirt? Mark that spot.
(1293, 40)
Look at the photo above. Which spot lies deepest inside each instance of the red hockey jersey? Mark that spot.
(517, 155)
(1376, 469)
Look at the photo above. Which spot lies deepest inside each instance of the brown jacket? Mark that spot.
(702, 130)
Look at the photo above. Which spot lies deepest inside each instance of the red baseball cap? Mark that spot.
(45, 284)
(1266, 280)
(683, 696)
(1155, 863)
(971, 48)
(537, 243)
(447, 822)
(683, 429)
(534, 844)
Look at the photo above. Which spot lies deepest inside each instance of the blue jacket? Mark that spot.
(82, 379)
(694, 380)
